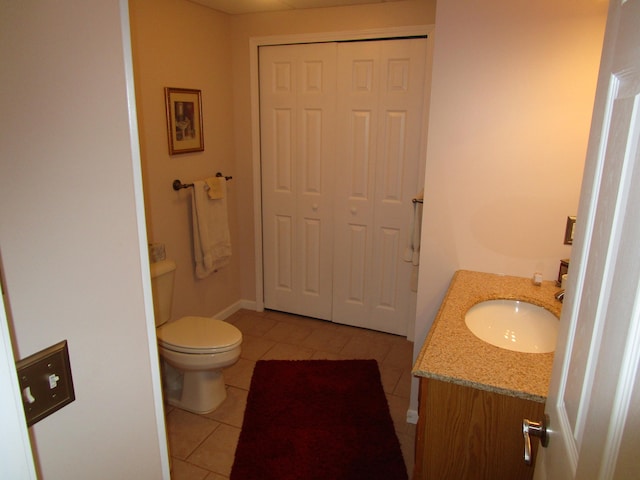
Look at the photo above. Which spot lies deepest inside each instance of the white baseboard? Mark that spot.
(412, 416)
(233, 308)
(248, 305)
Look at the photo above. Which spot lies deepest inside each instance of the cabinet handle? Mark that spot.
(534, 429)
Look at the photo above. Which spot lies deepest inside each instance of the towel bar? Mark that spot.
(177, 184)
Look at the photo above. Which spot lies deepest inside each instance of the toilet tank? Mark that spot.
(162, 287)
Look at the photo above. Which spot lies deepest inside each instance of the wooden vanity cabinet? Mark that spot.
(469, 434)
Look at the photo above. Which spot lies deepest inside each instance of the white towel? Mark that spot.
(417, 231)
(211, 239)
(412, 252)
(216, 187)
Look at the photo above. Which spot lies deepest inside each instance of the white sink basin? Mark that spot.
(514, 325)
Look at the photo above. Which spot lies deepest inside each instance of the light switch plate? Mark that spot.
(45, 382)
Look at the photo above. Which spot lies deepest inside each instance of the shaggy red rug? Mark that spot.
(317, 420)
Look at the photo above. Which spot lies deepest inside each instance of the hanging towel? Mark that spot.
(216, 187)
(211, 239)
(412, 252)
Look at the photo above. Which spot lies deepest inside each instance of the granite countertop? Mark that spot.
(451, 353)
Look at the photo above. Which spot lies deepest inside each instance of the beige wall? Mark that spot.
(181, 44)
(512, 95)
(72, 235)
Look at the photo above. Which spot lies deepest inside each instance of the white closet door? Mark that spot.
(297, 108)
(379, 117)
(340, 136)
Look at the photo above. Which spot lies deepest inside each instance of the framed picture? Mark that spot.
(184, 120)
(569, 230)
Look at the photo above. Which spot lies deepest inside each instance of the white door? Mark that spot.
(380, 107)
(297, 107)
(594, 397)
(340, 136)
(16, 457)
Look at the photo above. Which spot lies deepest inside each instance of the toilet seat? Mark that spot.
(199, 335)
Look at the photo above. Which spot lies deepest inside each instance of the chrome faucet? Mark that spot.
(560, 295)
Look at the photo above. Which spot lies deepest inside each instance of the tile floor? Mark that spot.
(202, 446)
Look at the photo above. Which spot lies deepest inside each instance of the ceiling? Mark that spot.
(234, 7)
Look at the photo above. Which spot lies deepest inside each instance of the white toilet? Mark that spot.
(194, 349)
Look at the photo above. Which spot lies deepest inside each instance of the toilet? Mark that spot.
(194, 349)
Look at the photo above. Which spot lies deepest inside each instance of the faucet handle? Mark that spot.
(559, 295)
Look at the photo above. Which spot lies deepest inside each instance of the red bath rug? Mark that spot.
(317, 420)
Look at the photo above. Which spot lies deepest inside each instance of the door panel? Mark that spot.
(356, 274)
(283, 253)
(358, 170)
(357, 137)
(380, 98)
(389, 247)
(296, 106)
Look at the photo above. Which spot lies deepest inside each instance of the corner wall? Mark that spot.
(512, 95)
(181, 44)
(72, 233)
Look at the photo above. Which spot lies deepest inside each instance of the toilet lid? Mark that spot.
(199, 335)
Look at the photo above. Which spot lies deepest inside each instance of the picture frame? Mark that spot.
(184, 120)
(569, 230)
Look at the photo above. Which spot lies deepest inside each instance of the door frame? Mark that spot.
(254, 44)
(16, 454)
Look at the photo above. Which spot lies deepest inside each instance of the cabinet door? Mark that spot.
(470, 434)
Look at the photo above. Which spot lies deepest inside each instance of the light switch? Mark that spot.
(45, 381)
(26, 395)
(53, 380)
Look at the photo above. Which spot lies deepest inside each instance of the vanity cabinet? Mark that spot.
(473, 395)
(465, 433)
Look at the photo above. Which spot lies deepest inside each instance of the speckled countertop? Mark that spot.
(452, 353)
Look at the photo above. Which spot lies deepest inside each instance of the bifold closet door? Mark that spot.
(297, 118)
(379, 118)
(340, 136)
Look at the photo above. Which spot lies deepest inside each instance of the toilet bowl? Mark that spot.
(198, 348)
(194, 349)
